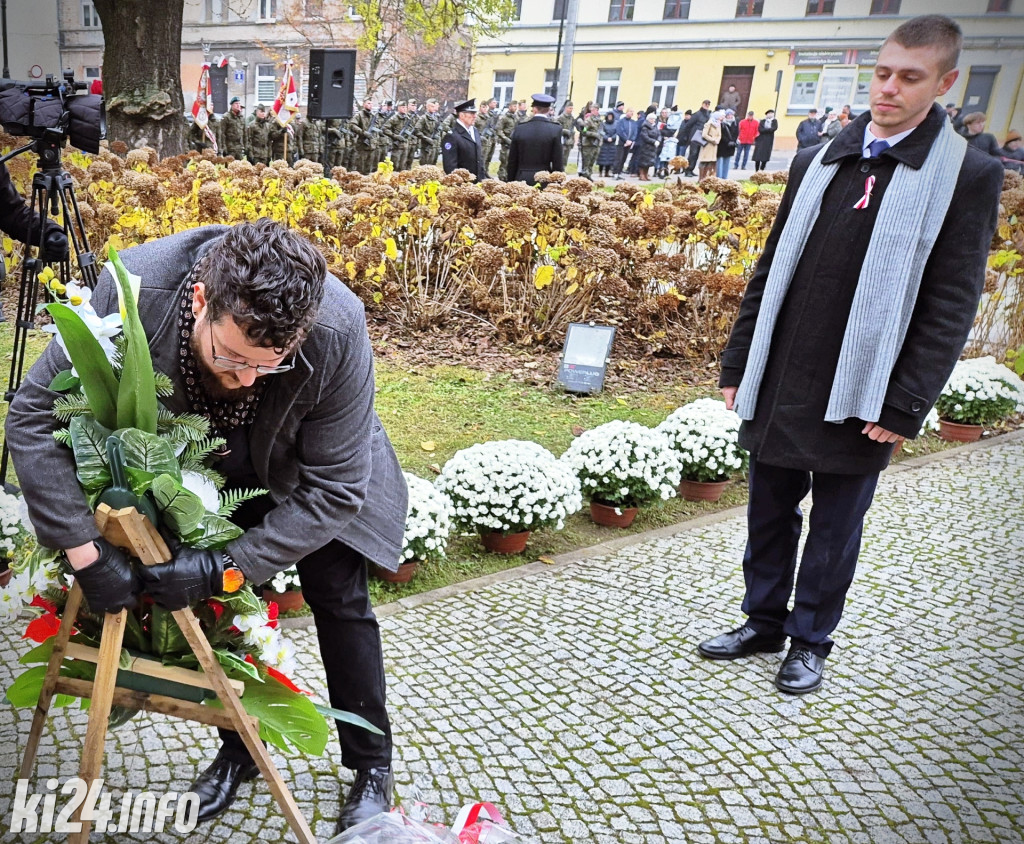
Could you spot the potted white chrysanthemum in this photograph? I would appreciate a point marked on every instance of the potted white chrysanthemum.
(705, 438)
(505, 489)
(979, 392)
(16, 536)
(428, 524)
(621, 467)
(285, 590)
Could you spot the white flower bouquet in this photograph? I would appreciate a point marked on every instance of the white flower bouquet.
(509, 486)
(980, 391)
(285, 581)
(428, 523)
(705, 438)
(623, 464)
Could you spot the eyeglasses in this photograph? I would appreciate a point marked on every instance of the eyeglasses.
(237, 365)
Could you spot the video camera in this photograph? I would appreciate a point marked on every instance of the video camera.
(55, 110)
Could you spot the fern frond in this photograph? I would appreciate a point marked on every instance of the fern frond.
(197, 451)
(63, 436)
(230, 500)
(67, 407)
(190, 427)
(164, 385)
(212, 475)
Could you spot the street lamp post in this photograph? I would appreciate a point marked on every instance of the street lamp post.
(3, 23)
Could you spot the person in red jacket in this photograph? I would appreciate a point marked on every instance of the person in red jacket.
(748, 133)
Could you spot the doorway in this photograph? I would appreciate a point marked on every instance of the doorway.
(743, 79)
(978, 92)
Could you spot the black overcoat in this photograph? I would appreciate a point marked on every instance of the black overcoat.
(647, 144)
(765, 140)
(609, 153)
(460, 150)
(536, 145)
(788, 428)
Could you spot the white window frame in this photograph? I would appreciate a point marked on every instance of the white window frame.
(90, 20)
(261, 77)
(503, 89)
(663, 92)
(606, 93)
(91, 73)
(267, 10)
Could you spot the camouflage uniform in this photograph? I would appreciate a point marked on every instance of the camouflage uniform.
(487, 139)
(278, 133)
(428, 130)
(506, 125)
(568, 124)
(363, 127)
(197, 139)
(399, 130)
(232, 135)
(337, 143)
(257, 140)
(311, 139)
(590, 143)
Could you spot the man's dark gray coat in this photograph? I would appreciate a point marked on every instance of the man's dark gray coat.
(316, 442)
(788, 428)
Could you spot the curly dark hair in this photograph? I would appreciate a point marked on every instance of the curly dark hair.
(269, 279)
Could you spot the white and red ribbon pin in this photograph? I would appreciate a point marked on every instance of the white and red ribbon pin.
(869, 185)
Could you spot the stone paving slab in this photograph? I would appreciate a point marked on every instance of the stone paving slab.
(572, 696)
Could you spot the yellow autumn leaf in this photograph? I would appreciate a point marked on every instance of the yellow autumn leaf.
(391, 249)
(544, 276)
(623, 402)
(572, 288)
(428, 445)
(542, 242)
(350, 268)
(649, 200)
(571, 273)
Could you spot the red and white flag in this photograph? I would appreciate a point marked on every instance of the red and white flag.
(202, 108)
(287, 102)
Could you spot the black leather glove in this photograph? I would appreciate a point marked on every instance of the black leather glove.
(191, 576)
(55, 245)
(110, 583)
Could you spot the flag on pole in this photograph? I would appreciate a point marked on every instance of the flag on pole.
(202, 108)
(287, 102)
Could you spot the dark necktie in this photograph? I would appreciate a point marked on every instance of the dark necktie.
(876, 147)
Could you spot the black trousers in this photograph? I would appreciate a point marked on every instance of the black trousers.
(334, 584)
(774, 520)
(692, 155)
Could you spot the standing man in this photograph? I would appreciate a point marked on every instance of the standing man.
(428, 130)
(591, 138)
(396, 140)
(311, 139)
(691, 135)
(731, 99)
(503, 132)
(232, 131)
(747, 136)
(536, 144)
(259, 339)
(257, 140)
(808, 133)
(462, 146)
(363, 127)
(627, 130)
(853, 320)
(488, 130)
(568, 124)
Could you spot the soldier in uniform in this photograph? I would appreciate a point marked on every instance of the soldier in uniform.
(232, 131)
(278, 143)
(257, 140)
(503, 132)
(462, 147)
(310, 138)
(197, 139)
(568, 124)
(488, 112)
(399, 142)
(523, 112)
(363, 127)
(591, 136)
(428, 131)
(336, 143)
(536, 144)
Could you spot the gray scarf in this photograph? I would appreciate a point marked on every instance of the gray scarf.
(911, 214)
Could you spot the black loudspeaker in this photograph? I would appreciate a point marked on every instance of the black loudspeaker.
(332, 84)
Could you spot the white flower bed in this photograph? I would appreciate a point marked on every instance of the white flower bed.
(623, 464)
(428, 523)
(509, 486)
(705, 437)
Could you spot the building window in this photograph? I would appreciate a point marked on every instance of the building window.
(558, 12)
(677, 10)
(89, 17)
(885, 7)
(91, 73)
(519, 10)
(504, 83)
(620, 10)
(268, 10)
(749, 8)
(314, 8)
(665, 81)
(607, 93)
(266, 83)
(820, 7)
(998, 6)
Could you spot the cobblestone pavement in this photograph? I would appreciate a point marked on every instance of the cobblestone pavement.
(573, 698)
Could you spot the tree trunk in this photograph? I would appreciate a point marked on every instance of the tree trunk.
(142, 73)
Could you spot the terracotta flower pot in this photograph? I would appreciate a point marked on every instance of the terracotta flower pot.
(286, 601)
(702, 490)
(505, 543)
(5, 577)
(404, 574)
(606, 514)
(957, 432)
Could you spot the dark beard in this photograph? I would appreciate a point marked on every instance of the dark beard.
(209, 382)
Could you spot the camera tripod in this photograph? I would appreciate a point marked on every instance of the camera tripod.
(53, 195)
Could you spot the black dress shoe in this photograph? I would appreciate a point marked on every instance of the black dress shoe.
(742, 641)
(218, 784)
(800, 672)
(370, 795)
